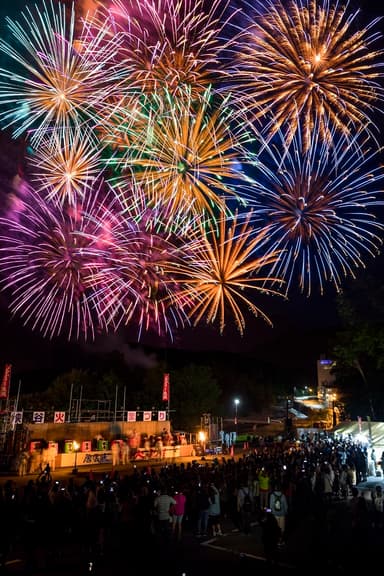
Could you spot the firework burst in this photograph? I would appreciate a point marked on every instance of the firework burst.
(172, 45)
(135, 288)
(191, 158)
(47, 262)
(57, 80)
(318, 207)
(66, 166)
(222, 270)
(306, 63)
(149, 206)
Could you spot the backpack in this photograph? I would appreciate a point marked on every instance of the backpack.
(277, 502)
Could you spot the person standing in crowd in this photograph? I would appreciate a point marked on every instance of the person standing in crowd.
(278, 504)
(162, 505)
(343, 482)
(352, 476)
(244, 507)
(377, 507)
(264, 487)
(327, 475)
(178, 514)
(255, 491)
(45, 474)
(270, 533)
(115, 453)
(381, 462)
(52, 453)
(22, 468)
(372, 466)
(203, 504)
(125, 453)
(214, 511)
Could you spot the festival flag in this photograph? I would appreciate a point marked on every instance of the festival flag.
(131, 416)
(16, 418)
(59, 418)
(6, 381)
(166, 388)
(38, 417)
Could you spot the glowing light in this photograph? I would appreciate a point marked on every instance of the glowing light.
(172, 45)
(66, 165)
(46, 264)
(315, 207)
(189, 158)
(64, 78)
(221, 272)
(173, 154)
(135, 287)
(308, 60)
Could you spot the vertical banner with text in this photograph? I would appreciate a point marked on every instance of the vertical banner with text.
(6, 381)
(166, 388)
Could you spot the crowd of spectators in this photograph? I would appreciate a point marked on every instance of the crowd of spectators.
(318, 478)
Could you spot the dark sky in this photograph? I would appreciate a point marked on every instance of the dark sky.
(295, 321)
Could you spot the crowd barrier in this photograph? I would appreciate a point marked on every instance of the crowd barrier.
(76, 459)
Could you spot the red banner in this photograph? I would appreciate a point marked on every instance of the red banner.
(6, 381)
(166, 388)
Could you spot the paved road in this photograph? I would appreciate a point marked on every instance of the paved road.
(233, 553)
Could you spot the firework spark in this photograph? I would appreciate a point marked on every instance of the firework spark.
(66, 166)
(134, 287)
(308, 60)
(222, 270)
(191, 159)
(172, 45)
(57, 80)
(317, 208)
(46, 267)
(150, 206)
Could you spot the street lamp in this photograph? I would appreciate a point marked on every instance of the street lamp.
(237, 402)
(334, 419)
(76, 447)
(202, 440)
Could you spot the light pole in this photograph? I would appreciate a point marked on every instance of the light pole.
(76, 447)
(334, 419)
(236, 402)
(202, 440)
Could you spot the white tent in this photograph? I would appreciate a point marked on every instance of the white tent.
(368, 433)
(371, 433)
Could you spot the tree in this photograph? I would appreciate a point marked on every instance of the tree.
(194, 391)
(58, 394)
(358, 348)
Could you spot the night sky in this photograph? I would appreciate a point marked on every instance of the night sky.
(301, 325)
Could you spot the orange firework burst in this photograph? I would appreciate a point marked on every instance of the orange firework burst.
(191, 158)
(308, 60)
(65, 77)
(66, 165)
(218, 274)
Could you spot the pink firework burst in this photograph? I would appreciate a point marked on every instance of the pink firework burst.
(47, 261)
